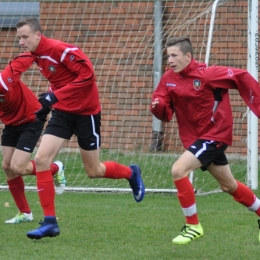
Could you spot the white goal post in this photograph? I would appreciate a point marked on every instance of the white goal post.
(252, 120)
(125, 42)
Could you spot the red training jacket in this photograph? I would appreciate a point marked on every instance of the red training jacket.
(199, 98)
(70, 74)
(17, 102)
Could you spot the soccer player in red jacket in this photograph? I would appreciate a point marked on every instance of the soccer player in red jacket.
(74, 98)
(198, 96)
(20, 135)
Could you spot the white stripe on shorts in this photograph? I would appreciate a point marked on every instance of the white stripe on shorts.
(94, 131)
(199, 152)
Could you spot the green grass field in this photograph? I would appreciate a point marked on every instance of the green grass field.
(115, 227)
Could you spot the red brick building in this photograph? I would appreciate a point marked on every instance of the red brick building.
(118, 36)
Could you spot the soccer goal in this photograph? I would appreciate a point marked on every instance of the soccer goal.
(125, 41)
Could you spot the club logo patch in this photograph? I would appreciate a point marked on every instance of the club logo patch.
(52, 69)
(71, 57)
(196, 84)
(2, 100)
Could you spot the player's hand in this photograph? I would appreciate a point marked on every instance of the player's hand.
(47, 99)
(42, 113)
(155, 102)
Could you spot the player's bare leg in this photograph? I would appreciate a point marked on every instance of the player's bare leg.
(180, 171)
(113, 170)
(240, 192)
(16, 163)
(49, 148)
(93, 167)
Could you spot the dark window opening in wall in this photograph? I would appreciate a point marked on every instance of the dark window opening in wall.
(12, 12)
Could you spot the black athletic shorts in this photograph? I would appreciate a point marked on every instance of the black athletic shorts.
(85, 127)
(23, 137)
(209, 152)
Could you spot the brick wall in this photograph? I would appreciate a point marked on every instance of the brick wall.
(118, 37)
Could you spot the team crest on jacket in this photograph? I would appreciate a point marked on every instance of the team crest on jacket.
(196, 84)
(52, 69)
(2, 100)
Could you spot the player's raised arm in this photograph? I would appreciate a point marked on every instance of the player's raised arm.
(234, 78)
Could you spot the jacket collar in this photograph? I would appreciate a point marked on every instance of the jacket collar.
(41, 46)
(192, 66)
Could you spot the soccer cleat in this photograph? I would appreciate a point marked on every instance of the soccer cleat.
(136, 183)
(258, 221)
(20, 218)
(49, 228)
(188, 233)
(59, 179)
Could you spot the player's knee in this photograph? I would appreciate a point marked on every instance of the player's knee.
(6, 167)
(41, 161)
(177, 172)
(18, 170)
(10, 171)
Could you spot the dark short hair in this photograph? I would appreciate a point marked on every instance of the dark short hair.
(183, 42)
(31, 21)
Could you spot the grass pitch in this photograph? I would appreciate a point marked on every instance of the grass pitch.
(114, 227)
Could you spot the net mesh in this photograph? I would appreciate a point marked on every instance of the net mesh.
(118, 37)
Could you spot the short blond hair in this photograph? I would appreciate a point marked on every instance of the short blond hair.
(32, 22)
(183, 42)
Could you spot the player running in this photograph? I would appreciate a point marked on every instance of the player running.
(74, 98)
(20, 135)
(199, 98)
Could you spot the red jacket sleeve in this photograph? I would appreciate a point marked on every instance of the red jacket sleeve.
(82, 67)
(164, 110)
(233, 78)
(21, 64)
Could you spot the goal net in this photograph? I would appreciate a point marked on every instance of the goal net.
(119, 38)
